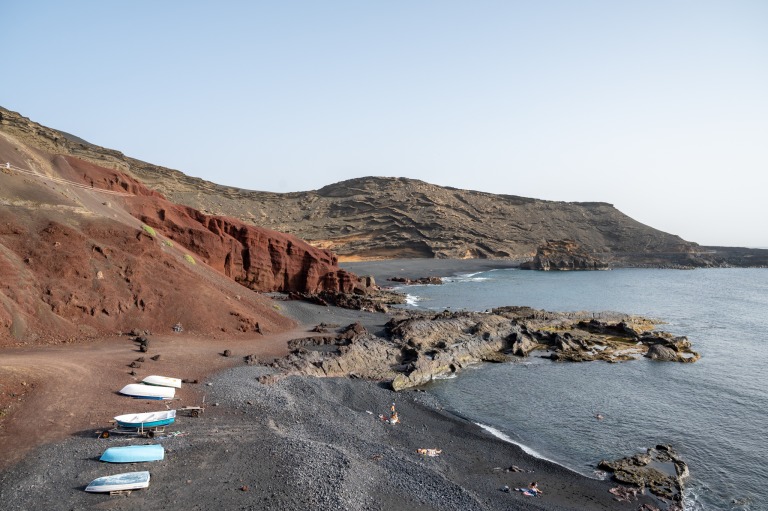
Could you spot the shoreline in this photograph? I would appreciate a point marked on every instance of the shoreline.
(309, 443)
(418, 268)
(526, 449)
(304, 442)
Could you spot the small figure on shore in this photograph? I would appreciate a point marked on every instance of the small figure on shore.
(532, 490)
(393, 418)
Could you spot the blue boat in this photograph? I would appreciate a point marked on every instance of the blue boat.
(120, 482)
(146, 420)
(133, 454)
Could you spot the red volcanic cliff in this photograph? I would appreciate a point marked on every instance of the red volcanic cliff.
(258, 258)
(76, 262)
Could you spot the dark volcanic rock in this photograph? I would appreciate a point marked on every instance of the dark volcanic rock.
(564, 255)
(423, 346)
(373, 300)
(420, 280)
(663, 346)
(659, 469)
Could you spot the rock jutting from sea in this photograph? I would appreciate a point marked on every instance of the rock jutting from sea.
(659, 469)
(420, 347)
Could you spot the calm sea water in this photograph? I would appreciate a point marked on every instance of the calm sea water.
(714, 412)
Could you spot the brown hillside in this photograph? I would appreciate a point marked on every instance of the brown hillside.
(384, 218)
(87, 250)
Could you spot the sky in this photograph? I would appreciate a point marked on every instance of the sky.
(657, 107)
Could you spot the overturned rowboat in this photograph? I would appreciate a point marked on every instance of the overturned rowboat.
(140, 391)
(162, 381)
(133, 454)
(120, 482)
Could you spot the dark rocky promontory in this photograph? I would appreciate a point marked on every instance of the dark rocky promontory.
(419, 347)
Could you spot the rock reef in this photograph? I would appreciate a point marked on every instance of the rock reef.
(420, 347)
(659, 469)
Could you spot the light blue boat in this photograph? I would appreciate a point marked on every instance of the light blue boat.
(133, 454)
(120, 482)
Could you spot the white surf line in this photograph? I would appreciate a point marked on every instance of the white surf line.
(498, 434)
(411, 300)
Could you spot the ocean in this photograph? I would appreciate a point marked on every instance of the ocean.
(713, 411)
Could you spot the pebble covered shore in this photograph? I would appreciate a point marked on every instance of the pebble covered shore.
(305, 443)
(308, 443)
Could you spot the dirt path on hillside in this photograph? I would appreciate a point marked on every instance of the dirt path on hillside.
(50, 392)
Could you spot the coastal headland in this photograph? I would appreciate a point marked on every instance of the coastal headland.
(104, 281)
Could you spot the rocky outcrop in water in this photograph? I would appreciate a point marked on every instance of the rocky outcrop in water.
(419, 280)
(362, 299)
(659, 469)
(564, 255)
(421, 347)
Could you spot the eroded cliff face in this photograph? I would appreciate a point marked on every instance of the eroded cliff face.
(563, 255)
(385, 218)
(86, 250)
(257, 258)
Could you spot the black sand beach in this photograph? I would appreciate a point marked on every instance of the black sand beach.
(303, 443)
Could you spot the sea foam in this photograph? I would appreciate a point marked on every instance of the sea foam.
(411, 300)
(498, 434)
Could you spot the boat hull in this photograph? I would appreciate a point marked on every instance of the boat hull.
(120, 482)
(146, 420)
(140, 391)
(133, 454)
(162, 381)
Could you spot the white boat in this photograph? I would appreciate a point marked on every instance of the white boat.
(141, 391)
(120, 482)
(146, 420)
(162, 381)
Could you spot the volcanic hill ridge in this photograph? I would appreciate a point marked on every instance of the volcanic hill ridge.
(387, 218)
(88, 250)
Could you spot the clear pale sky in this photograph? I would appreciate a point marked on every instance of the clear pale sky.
(658, 107)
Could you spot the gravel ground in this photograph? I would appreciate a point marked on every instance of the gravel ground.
(305, 443)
